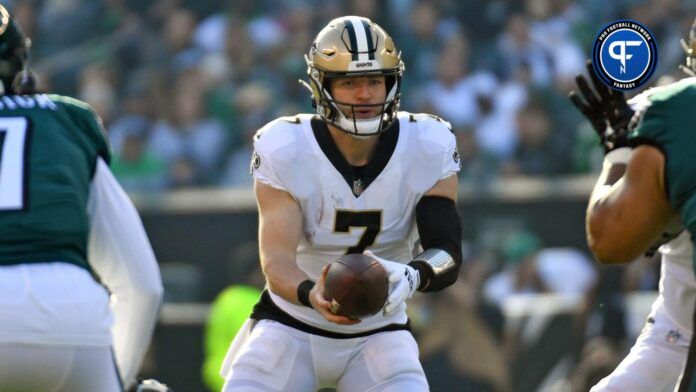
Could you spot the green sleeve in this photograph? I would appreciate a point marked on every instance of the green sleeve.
(98, 134)
(88, 122)
(668, 122)
(651, 127)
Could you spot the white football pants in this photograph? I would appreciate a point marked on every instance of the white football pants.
(275, 357)
(34, 368)
(654, 363)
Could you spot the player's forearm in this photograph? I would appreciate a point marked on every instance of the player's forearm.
(604, 231)
(279, 259)
(280, 228)
(600, 212)
(440, 230)
(283, 276)
(613, 169)
(624, 219)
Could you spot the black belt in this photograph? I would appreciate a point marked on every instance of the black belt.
(266, 309)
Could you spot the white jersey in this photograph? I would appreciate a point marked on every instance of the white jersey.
(340, 213)
(677, 285)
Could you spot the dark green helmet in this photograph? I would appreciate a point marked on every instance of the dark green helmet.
(14, 49)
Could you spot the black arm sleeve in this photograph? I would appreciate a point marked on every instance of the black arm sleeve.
(439, 227)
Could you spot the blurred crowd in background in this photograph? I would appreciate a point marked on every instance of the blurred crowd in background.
(182, 85)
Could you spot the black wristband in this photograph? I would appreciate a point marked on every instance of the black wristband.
(424, 273)
(303, 290)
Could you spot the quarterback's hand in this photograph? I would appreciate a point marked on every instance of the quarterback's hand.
(603, 106)
(322, 305)
(403, 282)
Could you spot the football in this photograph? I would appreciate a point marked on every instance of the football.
(356, 285)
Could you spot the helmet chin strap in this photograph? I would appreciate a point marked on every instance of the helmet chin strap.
(363, 128)
(359, 128)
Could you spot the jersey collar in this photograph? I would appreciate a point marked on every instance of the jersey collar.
(358, 178)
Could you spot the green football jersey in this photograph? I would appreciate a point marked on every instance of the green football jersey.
(49, 145)
(667, 120)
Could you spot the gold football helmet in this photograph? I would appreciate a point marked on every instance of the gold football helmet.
(354, 46)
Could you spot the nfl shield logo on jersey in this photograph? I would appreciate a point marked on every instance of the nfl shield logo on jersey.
(358, 186)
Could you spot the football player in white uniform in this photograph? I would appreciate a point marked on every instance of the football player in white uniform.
(358, 177)
(659, 354)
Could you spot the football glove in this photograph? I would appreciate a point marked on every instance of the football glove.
(605, 108)
(403, 282)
